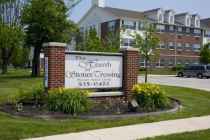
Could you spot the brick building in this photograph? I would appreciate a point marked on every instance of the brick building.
(181, 35)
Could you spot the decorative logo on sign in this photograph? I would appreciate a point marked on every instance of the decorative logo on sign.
(89, 65)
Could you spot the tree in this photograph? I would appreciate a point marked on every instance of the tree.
(205, 54)
(112, 42)
(11, 35)
(20, 57)
(146, 45)
(45, 21)
(89, 41)
(10, 38)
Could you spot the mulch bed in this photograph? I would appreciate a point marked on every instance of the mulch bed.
(108, 109)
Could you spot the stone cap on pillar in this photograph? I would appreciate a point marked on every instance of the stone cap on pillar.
(129, 49)
(54, 44)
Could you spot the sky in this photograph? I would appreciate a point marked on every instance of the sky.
(202, 7)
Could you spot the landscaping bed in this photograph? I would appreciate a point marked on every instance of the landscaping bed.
(107, 109)
(75, 103)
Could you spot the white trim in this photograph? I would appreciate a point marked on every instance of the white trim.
(54, 44)
(129, 49)
(79, 22)
(96, 53)
(105, 94)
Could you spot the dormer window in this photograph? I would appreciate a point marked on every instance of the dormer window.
(160, 18)
(188, 21)
(171, 19)
(197, 23)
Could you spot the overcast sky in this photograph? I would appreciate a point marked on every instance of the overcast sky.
(202, 7)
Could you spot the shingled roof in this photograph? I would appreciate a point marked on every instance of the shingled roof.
(122, 13)
(205, 23)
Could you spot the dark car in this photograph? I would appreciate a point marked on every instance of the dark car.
(199, 71)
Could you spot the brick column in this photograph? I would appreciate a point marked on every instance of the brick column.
(54, 65)
(130, 69)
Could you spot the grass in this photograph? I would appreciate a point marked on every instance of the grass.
(199, 135)
(160, 71)
(195, 103)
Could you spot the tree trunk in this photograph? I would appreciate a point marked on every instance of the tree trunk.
(5, 61)
(4, 66)
(36, 62)
(146, 70)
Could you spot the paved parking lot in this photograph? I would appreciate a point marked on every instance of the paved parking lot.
(203, 84)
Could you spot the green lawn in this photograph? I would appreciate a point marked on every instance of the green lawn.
(195, 103)
(159, 71)
(199, 135)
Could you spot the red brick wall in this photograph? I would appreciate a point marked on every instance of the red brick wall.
(130, 70)
(56, 66)
(171, 37)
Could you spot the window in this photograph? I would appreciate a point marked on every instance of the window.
(187, 30)
(188, 21)
(197, 31)
(160, 18)
(179, 46)
(171, 62)
(160, 27)
(196, 47)
(127, 42)
(171, 46)
(208, 67)
(207, 33)
(141, 25)
(162, 45)
(171, 28)
(82, 29)
(171, 19)
(162, 62)
(187, 46)
(197, 23)
(129, 24)
(179, 29)
(92, 27)
(111, 25)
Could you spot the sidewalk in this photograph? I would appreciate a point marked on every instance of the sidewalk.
(134, 132)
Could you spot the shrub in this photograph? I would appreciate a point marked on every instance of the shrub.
(150, 97)
(70, 101)
(36, 96)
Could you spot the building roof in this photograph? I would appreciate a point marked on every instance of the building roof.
(205, 23)
(153, 10)
(121, 13)
(182, 14)
(170, 10)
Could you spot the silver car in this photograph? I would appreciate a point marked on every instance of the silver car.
(199, 71)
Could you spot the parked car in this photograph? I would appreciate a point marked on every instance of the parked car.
(199, 71)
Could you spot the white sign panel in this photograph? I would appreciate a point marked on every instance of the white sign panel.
(93, 71)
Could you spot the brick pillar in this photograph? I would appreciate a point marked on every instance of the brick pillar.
(130, 69)
(54, 65)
